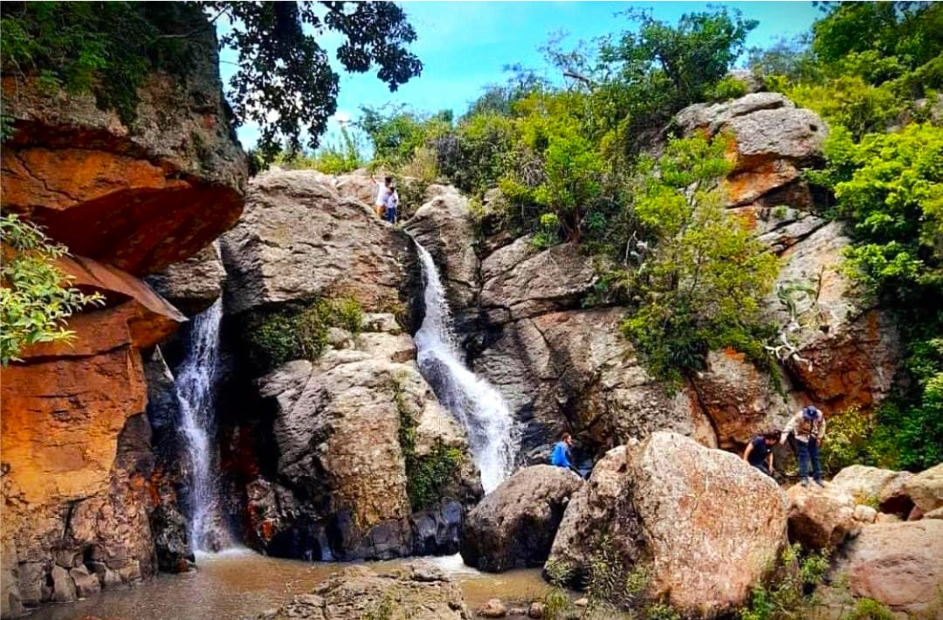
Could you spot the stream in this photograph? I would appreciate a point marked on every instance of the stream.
(240, 584)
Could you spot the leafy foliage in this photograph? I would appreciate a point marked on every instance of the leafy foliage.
(337, 158)
(786, 596)
(427, 475)
(701, 285)
(274, 337)
(284, 84)
(848, 434)
(36, 297)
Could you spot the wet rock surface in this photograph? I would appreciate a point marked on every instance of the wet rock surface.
(418, 592)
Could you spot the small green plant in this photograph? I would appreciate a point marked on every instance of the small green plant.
(549, 232)
(726, 88)
(661, 611)
(36, 297)
(868, 609)
(556, 600)
(866, 499)
(780, 212)
(279, 336)
(786, 596)
(848, 434)
(427, 475)
(382, 611)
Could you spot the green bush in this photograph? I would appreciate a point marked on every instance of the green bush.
(868, 609)
(847, 440)
(728, 88)
(36, 297)
(785, 597)
(703, 281)
(274, 337)
(428, 476)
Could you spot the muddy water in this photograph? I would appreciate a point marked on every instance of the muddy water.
(241, 584)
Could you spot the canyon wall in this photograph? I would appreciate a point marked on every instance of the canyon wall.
(127, 200)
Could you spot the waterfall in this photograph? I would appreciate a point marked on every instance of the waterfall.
(194, 386)
(476, 404)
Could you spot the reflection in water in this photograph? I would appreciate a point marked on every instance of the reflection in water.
(239, 584)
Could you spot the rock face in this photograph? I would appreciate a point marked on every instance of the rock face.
(925, 489)
(341, 480)
(193, 285)
(299, 240)
(884, 486)
(444, 227)
(898, 564)
(127, 200)
(573, 369)
(821, 518)
(679, 510)
(845, 350)
(417, 592)
(514, 526)
(138, 197)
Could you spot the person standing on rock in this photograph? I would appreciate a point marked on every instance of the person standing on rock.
(759, 452)
(392, 205)
(384, 190)
(809, 428)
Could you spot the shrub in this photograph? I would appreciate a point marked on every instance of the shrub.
(701, 284)
(427, 476)
(727, 88)
(274, 337)
(36, 297)
(869, 609)
(787, 595)
(847, 440)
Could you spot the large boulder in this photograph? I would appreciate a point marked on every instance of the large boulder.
(573, 370)
(898, 564)
(339, 426)
(194, 284)
(821, 518)
(925, 489)
(139, 195)
(514, 526)
(418, 591)
(299, 240)
(872, 484)
(680, 511)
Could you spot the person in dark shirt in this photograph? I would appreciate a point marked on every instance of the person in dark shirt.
(759, 452)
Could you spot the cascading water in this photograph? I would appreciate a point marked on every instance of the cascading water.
(194, 387)
(479, 408)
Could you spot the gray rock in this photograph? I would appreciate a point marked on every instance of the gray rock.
(849, 350)
(85, 583)
(194, 284)
(417, 592)
(444, 227)
(63, 588)
(925, 489)
(884, 486)
(298, 240)
(494, 608)
(514, 525)
(574, 370)
(821, 518)
(714, 117)
(555, 279)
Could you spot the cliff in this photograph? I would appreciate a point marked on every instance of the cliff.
(127, 200)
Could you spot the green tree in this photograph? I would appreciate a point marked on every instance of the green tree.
(398, 133)
(35, 296)
(701, 275)
(284, 84)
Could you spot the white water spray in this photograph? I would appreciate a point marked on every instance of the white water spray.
(194, 386)
(479, 408)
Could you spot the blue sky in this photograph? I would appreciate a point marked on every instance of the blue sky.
(465, 45)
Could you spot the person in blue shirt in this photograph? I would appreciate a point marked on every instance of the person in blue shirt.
(561, 452)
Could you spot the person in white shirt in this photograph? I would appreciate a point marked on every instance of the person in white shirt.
(809, 428)
(384, 190)
(392, 205)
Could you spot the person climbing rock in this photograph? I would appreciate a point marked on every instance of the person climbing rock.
(759, 452)
(383, 192)
(561, 453)
(392, 204)
(808, 426)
